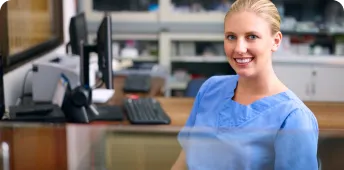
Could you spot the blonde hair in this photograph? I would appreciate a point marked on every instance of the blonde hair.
(263, 8)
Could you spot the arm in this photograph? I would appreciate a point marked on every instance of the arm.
(297, 142)
(180, 164)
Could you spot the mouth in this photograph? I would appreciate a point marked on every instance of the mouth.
(244, 60)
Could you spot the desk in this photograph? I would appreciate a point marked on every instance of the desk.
(45, 147)
(330, 116)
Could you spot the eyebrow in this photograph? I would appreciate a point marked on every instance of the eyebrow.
(250, 32)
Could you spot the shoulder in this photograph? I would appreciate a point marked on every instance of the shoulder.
(300, 116)
(216, 83)
(223, 79)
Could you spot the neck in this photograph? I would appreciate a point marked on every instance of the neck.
(266, 83)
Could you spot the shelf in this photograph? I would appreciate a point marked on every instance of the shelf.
(121, 16)
(195, 37)
(142, 58)
(200, 59)
(169, 15)
(143, 37)
(299, 59)
(177, 85)
(204, 17)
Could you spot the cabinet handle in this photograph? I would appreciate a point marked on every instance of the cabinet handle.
(307, 89)
(313, 88)
(314, 73)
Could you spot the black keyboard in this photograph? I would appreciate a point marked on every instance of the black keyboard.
(145, 111)
(137, 83)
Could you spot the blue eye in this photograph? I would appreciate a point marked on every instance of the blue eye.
(230, 37)
(252, 37)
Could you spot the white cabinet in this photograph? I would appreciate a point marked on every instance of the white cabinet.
(297, 77)
(328, 83)
(313, 82)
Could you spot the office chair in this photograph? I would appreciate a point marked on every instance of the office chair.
(193, 87)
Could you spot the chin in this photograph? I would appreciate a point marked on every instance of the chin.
(245, 72)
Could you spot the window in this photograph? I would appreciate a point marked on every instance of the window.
(31, 28)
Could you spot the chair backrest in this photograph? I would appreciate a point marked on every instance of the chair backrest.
(193, 87)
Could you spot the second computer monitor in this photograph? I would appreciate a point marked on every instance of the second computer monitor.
(77, 32)
(104, 50)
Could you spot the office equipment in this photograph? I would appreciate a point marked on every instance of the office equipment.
(77, 33)
(45, 74)
(36, 113)
(145, 111)
(135, 83)
(39, 112)
(104, 50)
(76, 105)
(34, 110)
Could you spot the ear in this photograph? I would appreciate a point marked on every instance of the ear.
(277, 39)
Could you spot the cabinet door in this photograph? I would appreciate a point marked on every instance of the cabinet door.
(328, 83)
(297, 77)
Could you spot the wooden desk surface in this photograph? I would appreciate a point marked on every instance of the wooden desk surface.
(330, 115)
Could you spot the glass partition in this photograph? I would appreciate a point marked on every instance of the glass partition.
(150, 148)
(106, 146)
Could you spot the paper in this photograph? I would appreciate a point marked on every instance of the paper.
(102, 95)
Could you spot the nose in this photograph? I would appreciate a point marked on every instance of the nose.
(240, 46)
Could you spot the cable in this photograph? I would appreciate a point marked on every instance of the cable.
(23, 88)
(98, 85)
(101, 81)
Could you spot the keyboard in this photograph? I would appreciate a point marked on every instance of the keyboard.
(137, 83)
(145, 111)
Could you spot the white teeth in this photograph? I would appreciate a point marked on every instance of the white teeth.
(243, 60)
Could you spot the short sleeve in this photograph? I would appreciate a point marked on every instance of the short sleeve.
(297, 142)
(184, 133)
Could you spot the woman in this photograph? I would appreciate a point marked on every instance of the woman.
(253, 121)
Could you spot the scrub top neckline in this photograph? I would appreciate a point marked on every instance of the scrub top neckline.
(262, 103)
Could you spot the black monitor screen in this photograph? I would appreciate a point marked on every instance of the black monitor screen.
(78, 32)
(104, 50)
(3, 52)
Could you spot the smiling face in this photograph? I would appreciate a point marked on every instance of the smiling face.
(249, 43)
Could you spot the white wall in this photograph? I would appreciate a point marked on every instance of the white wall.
(13, 81)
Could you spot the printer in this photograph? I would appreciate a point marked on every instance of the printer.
(45, 75)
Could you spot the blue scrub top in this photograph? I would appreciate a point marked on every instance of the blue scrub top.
(273, 133)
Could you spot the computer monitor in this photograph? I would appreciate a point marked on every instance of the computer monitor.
(77, 32)
(104, 50)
